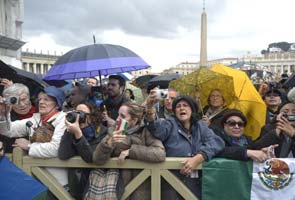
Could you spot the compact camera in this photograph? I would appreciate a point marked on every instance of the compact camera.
(290, 118)
(162, 93)
(71, 117)
(12, 100)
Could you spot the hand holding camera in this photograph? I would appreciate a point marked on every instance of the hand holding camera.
(161, 93)
(73, 120)
(72, 116)
(285, 125)
(5, 108)
(154, 96)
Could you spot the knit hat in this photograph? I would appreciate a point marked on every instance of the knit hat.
(56, 93)
(192, 102)
(232, 112)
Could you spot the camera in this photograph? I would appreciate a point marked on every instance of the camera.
(162, 93)
(71, 117)
(290, 118)
(12, 100)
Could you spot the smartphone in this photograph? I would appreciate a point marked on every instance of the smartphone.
(122, 125)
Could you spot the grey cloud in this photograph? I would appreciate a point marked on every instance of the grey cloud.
(72, 22)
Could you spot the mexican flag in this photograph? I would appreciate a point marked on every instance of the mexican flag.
(15, 184)
(225, 179)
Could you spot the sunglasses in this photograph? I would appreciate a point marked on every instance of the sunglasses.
(1, 148)
(234, 123)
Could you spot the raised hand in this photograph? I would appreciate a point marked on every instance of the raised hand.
(257, 155)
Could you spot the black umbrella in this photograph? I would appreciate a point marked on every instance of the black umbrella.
(163, 81)
(33, 81)
(290, 82)
(142, 81)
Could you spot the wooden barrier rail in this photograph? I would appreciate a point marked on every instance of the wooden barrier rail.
(35, 167)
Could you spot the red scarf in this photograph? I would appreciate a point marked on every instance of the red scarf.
(48, 116)
(27, 115)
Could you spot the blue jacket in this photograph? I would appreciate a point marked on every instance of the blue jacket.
(177, 143)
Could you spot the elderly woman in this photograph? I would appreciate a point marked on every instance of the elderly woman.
(237, 145)
(135, 142)
(50, 101)
(21, 110)
(184, 135)
(213, 112)
(84, 132)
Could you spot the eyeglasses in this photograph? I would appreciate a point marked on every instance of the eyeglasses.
(234, 123)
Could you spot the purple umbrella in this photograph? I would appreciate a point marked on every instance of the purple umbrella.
(95, 60)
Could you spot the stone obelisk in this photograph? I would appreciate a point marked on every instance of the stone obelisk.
(203, 54)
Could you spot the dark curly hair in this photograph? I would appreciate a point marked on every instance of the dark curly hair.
(95, 113)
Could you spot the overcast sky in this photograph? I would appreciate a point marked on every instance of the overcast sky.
(163, 32)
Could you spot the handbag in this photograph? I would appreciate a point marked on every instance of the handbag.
(43, 133)
(103, 184)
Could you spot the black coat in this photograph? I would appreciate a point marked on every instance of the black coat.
(69, 147)
(286, 144)
(114, 105)
(216, 120)
(236, 152)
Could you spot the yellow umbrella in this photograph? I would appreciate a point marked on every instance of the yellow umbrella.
(247, 100)
(199, 84)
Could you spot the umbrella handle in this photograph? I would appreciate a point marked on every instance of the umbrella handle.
(200, 106)
(100, 82)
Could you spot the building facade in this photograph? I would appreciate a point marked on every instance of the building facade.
(142, 72)
(182, 68)
(11, 20)
(277, 62)
(38, 63)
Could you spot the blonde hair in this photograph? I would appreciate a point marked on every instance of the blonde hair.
(134, 110)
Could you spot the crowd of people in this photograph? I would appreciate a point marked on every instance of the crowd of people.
(74, 123)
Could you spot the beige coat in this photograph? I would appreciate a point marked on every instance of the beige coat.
(143, 146)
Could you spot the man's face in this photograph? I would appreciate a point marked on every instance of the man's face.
(169, 100)
(272, 99)
(114, 88)
(24, 105)
(76, 97)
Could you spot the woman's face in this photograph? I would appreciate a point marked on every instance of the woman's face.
(288, 109)
(216, 99)
(124, 114)
(234, 126)
(183, 111)
(46, 104)
(86, 110)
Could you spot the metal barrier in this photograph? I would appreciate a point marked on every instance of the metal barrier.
(35, 167)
